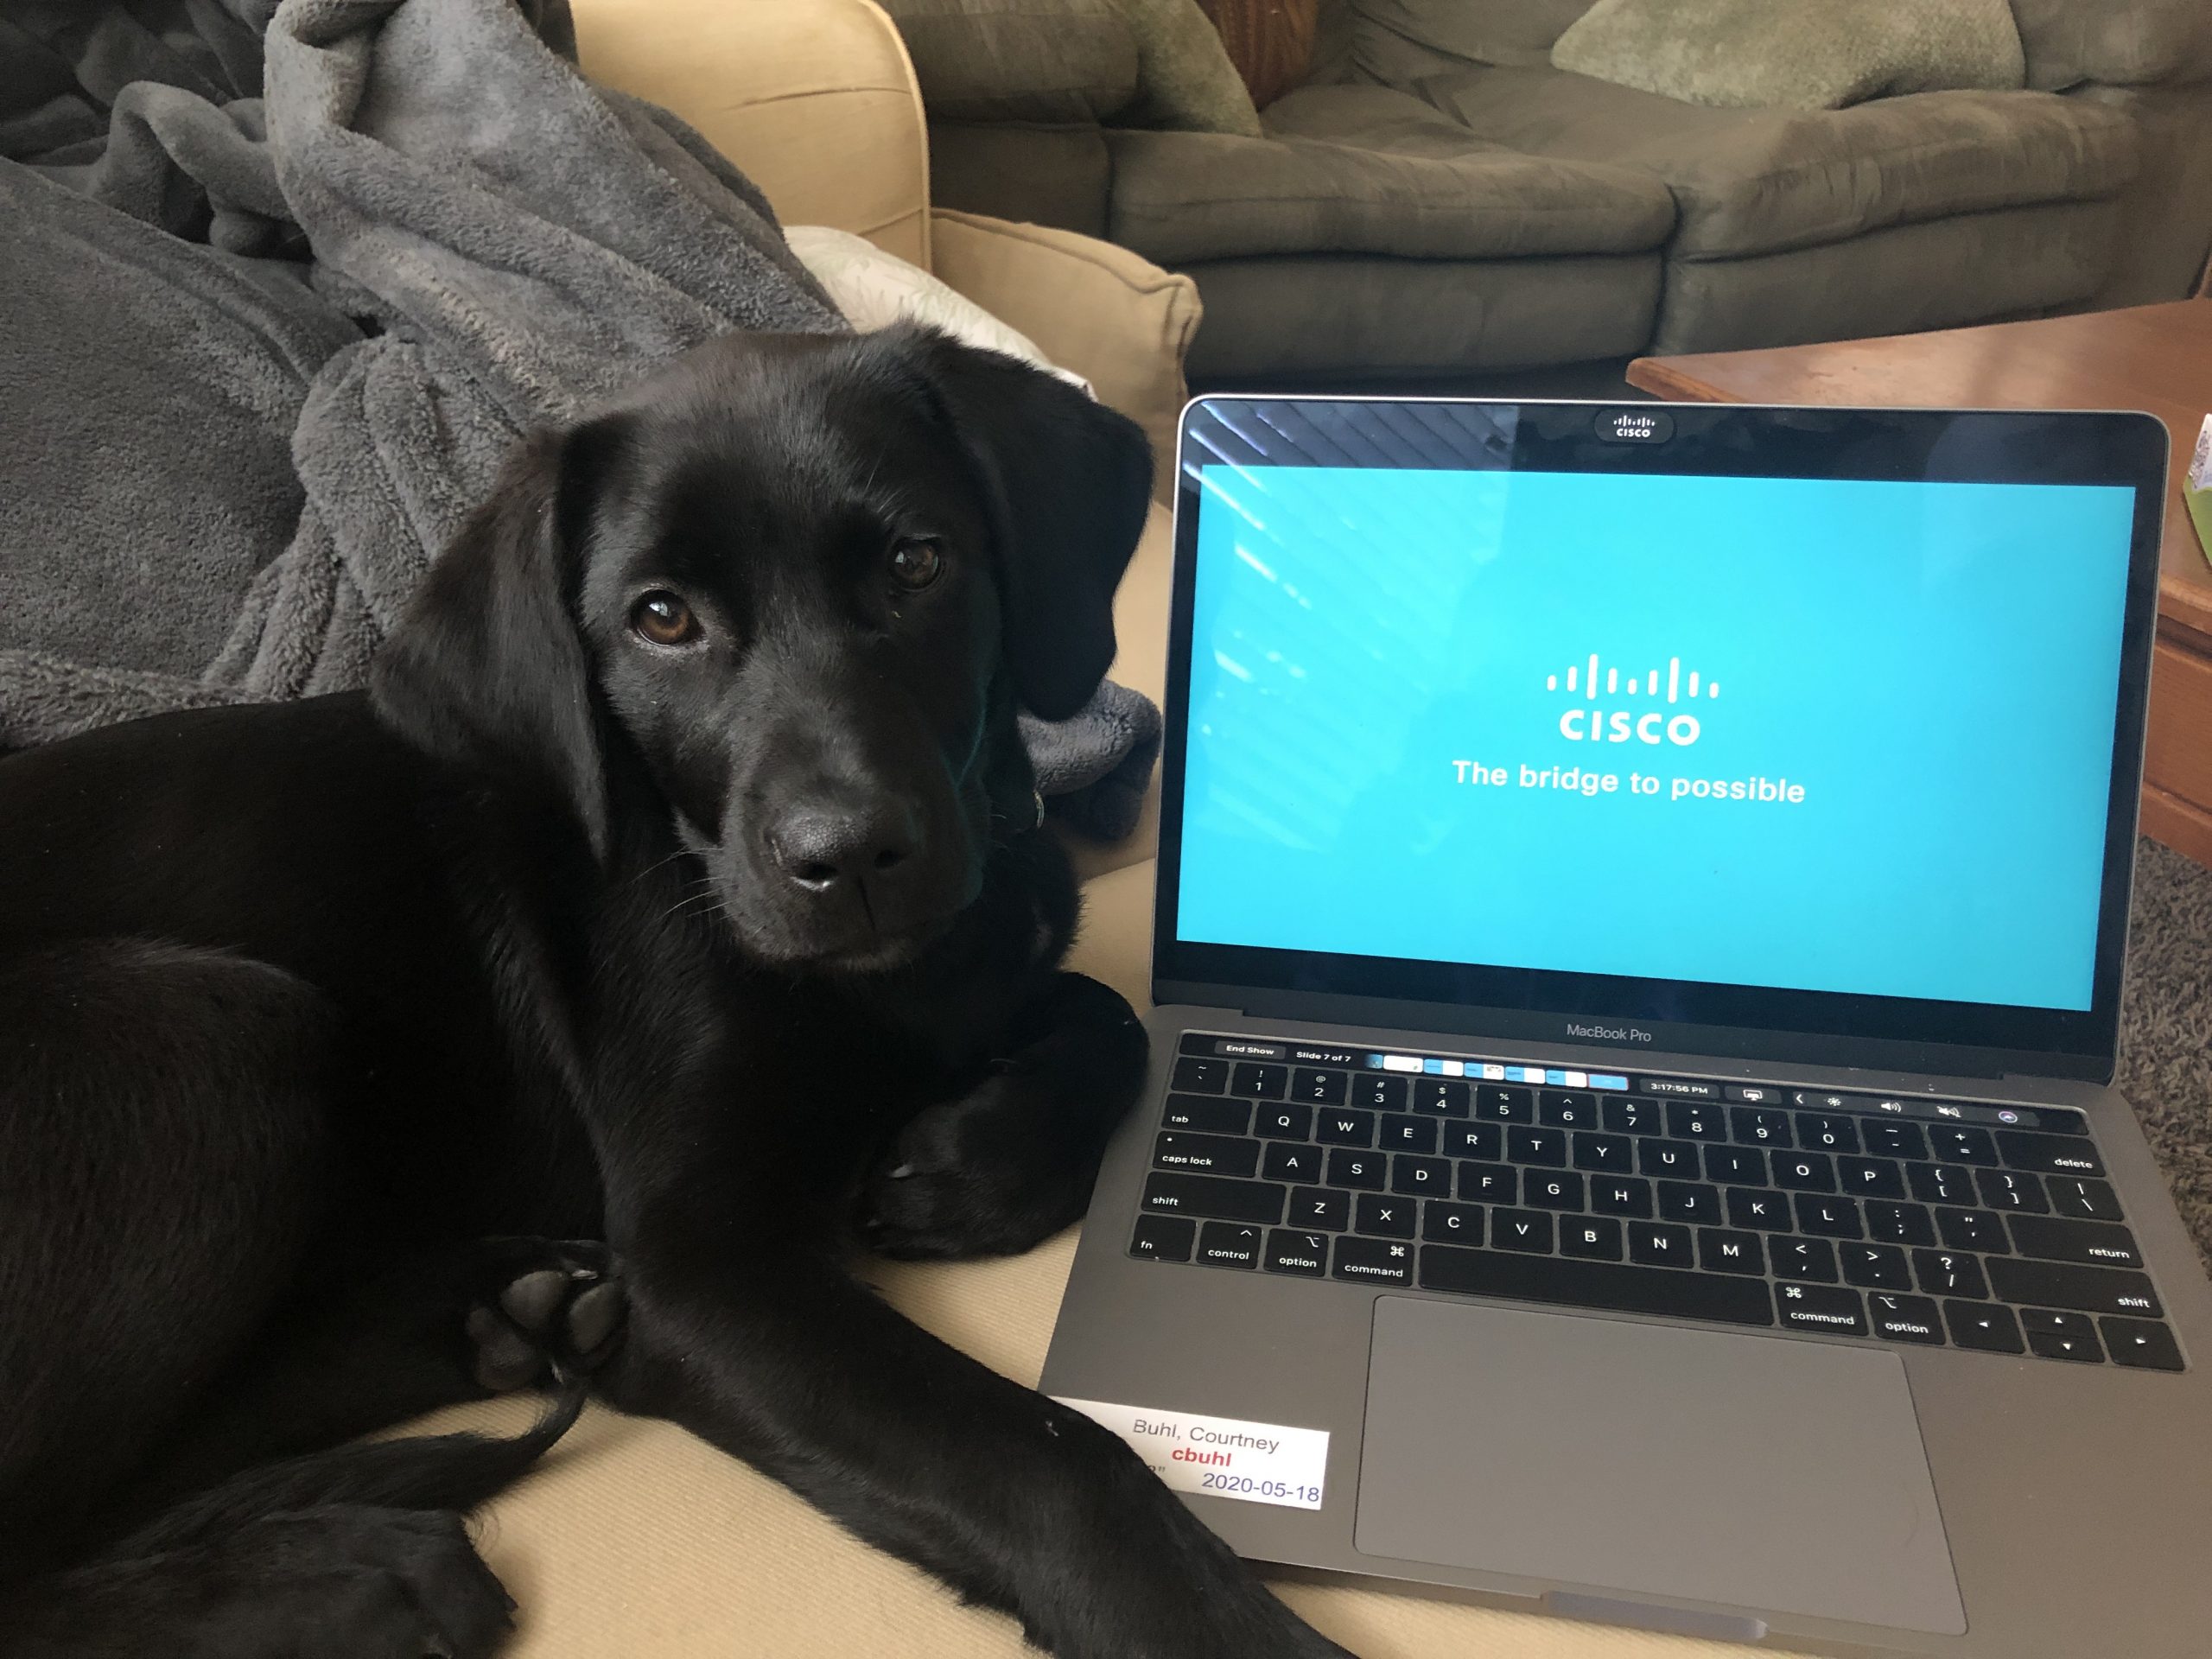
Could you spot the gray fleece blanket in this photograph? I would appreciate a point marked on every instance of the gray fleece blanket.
(279, 286)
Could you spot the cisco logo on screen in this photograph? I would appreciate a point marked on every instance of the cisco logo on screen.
(1644, 687)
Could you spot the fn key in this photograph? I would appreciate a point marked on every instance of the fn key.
(1163, 1238)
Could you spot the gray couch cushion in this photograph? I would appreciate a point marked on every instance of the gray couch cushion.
(1362, 170)
(1760, 180)
(2120, 42)
(1013, 61)
(1480, 31)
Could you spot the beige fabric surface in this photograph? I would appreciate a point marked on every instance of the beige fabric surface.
(1110, 315)
(1797, 54)
(814, 99)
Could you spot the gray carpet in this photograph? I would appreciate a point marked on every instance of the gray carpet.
(2165, 1034)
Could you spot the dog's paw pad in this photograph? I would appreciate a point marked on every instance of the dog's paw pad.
(563, 1315)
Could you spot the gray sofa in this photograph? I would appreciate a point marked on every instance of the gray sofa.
(1436, 198)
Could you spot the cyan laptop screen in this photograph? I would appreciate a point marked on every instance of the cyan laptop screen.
(1816, 734)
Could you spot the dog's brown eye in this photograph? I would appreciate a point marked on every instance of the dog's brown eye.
(916, 563)
(664, 618)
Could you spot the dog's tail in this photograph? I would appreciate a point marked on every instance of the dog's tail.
(428, 1471)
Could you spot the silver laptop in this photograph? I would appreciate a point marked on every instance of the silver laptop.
(1642, 901)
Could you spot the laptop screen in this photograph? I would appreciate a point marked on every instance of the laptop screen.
(1564, 709)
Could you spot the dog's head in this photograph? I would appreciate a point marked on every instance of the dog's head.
(788, 592)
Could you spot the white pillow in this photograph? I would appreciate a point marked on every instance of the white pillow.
(875, 290)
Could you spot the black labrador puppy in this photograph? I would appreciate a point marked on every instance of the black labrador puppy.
(679, 886)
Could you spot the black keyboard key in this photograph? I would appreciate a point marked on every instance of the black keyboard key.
(1675, 1159)
(1941, 1184)
(1278, 1123)
(1811, 1260)
(1378, 1092)
(1402, 1134)
(1344, 1127)
(1869, 1178)
(2099, 1243)
(1566, 1108)
(1591, 1238)
(1720, 1250)
(1609, 1154)
(1735, 1165)
(2083, 1199)
(1529, 1231)
(2049, 1155)
(1424, 1177)
(1374, 1261)
(1320, 1206)
(1984, 1326)
(1350, 1166)
(1166, 1193)
(1689, 1201)
(1213, 1154)
(1551, 1189)
(1200, 1077)
(1227, 1245)
(1875, 1267)
(1544, 1147)
(1900, 1224)
(1971, 1230)
(1693, 1120)
(1759, 1126)
(2054, 1120)
(1290, 1161)
(1906, 1318)
(2062, 1336)
(1767, 1211)
(1383, 1214)
(1660, 1244)
(1304, 1254)
(1629, 1116)
(1804, 1172)
(1468, 1139)
(1208, 1115)
(2142, 1344)
(1440, 1096)
(1955, 1143)
(2005, 1191)
(1255, 1080)
(2033, 1320)
(1886, 1139)
(1489, 1183)
(1499, 1102)
(1559, 1281)
(1951, 1273)
(1445, 1223)
(1163, 1238)
(1626, 1195)
(2086, 1290)
(1827, 1217)
(1821, 1307)
(1317, 1087)
(1826, 1132)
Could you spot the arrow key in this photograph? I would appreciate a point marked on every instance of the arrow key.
(2144, 1345)
(1985, 1325)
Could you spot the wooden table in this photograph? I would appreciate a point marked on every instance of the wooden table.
(2157, 358)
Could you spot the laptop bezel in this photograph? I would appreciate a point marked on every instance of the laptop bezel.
(1956, 1038)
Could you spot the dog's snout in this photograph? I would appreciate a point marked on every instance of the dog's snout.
(823, 847)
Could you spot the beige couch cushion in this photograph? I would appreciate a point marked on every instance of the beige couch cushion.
(1762, 180)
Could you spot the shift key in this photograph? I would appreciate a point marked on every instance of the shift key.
(1214, 1197)
(2059, 1284)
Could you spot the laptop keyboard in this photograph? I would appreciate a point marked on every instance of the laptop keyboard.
(1907, 1220)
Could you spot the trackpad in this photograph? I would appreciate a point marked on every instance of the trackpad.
(1764, 1473)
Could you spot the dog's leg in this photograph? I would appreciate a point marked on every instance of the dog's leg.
(1013, 1161)
(161, 1139)
(463, 1322)
(755, 1341)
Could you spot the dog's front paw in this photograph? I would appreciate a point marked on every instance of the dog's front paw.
(552, 1304)
(991, 1174)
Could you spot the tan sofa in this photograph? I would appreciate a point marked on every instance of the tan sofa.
(633, 1539)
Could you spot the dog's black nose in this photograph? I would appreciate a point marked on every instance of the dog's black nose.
(821, 848)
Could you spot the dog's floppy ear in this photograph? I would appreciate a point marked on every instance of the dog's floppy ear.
(1071, 482)
(487, 669)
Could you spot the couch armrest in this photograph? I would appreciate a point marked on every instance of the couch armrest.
(814, 99)
(1111, 316)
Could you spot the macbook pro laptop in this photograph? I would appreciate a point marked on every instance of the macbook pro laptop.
(1641, 907)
